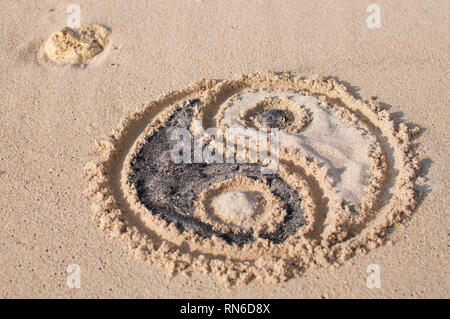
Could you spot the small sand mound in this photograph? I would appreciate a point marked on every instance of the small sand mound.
(77, 45)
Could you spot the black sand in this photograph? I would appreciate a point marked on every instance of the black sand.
(170, 190)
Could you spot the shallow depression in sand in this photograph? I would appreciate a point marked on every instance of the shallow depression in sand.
(79, 45)
(346, 173)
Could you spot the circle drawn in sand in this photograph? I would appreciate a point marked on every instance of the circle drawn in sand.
(346, 174)
(77, 45)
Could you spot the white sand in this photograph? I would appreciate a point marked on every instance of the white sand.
(327, 139)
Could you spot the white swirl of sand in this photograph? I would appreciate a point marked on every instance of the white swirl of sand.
(344, 149)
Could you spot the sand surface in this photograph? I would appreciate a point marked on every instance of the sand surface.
(51, 116)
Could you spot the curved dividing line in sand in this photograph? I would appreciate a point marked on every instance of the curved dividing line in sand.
(334, 231)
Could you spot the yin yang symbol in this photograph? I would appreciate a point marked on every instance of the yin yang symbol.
(344, 174)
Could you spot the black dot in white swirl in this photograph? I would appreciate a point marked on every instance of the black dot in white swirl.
(273, 118)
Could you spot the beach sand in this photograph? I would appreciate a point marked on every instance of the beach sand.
(51, 116)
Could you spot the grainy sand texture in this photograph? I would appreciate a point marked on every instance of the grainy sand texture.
(92, 205)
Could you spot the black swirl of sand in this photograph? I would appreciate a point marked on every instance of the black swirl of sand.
(171, 190)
